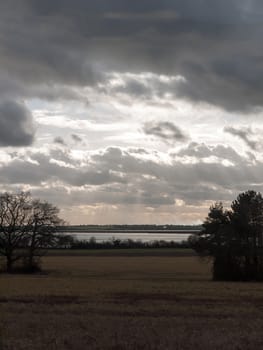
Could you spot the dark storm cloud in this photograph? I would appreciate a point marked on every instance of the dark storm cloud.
(16, 124)
(245, 134)
(215, 45)
(13, 86)
(166, 131)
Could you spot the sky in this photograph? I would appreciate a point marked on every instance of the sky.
(142, 111)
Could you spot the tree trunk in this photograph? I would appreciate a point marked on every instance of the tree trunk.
(30, 260)
(9, 263)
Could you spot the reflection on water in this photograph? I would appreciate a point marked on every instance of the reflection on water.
(142, 236)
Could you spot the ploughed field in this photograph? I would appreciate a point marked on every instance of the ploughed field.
(128, 302)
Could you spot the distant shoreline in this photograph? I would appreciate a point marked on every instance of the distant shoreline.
(131, 231)
(159, 229)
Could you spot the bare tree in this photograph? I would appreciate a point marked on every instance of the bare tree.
(14, 217)
(43, 226)
(27, 226)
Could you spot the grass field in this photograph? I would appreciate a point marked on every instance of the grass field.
(122, 252)
(128, 302)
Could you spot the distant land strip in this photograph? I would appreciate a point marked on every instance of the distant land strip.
(132, 229)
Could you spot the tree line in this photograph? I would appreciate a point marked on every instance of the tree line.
(70, 242)
(134, 227)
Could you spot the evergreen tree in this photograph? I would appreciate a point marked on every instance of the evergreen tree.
(234, 238)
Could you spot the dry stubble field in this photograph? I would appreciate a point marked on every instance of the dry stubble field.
(118, 302)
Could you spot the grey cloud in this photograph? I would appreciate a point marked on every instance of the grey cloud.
(76, 138)
(245, 134)
(13, 87)
(134, 87)
(184, 179)
(166, 131)
(138, 150)
(59, 140)
(115, 197)
(16, 124)
(149, 16)
(215, 45)
(57, 166)
(116, 176)
(144, 85)
(201, 151)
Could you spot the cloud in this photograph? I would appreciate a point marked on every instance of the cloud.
(16, 124)
(165, 131)
(122, 178)
(149, 16)
(97, 70)
(215, 46)
(144, 85)
(76, 138)
(59, 140)
(60, 166)
(245, 134)
(201, 152)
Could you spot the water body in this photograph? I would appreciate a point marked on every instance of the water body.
(142, 236)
